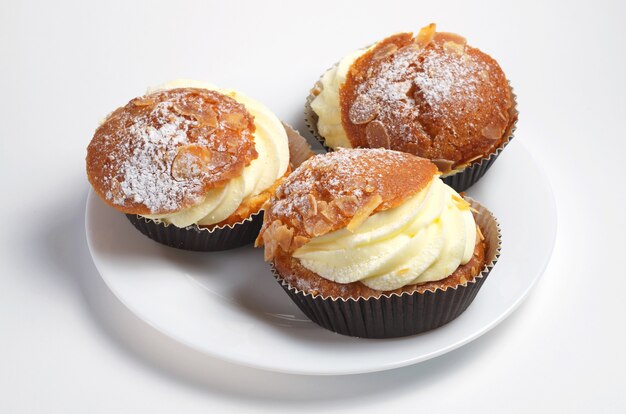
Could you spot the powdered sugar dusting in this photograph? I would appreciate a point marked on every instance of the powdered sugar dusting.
(411, 75)
(446, 77)
(146, 175)
(343, 174)
(163, 151)
(147, 178)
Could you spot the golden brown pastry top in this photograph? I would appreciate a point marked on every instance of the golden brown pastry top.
(431, 95)
(339, 189)
(164, 151)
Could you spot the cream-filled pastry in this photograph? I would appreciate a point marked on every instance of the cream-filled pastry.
(365, 221)
(431, 95)
(372, 243)
(188, 153)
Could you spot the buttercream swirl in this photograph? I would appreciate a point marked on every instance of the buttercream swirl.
(327, 106)
(424, 239)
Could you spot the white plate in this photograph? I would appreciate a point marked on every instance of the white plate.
(228, 305)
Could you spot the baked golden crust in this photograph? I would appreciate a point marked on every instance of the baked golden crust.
(336, 190)
(431, 95)
(164, 151)
(299, 277)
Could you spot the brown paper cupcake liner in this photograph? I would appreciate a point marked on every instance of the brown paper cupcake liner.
(197, 238)
(218, 238)
(397, 315)
(461, 179)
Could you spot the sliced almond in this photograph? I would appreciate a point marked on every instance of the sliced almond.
(316, 226)
(299, 241)
(484, 75)
(283, 236)
(385, 51)
(364, 212)
(235, 120)
(362, 111)
(443, 37)
(312, 204)
(143, 101)
(190, 162)
(346, 204)
(453, 47)
(206, 116)
(276, 235)
(445, 166)
(376, 135)
(425, 35)
(492, 132)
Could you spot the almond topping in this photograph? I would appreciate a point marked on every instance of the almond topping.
(425, 35)
(276, 235)
(316, 226)
(445, 166)
(143, 101)
(453, 47)
(205, 116)
(364, 212)
(312, 204)
(346, 204)
(362, 111)
(492, 132)
(191, 161)
(299, 241)
(484, 75)
(444, 37)
(385, 51)
(235, 120)
(376, 135)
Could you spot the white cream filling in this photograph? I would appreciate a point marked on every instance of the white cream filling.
(424, 239)
(327, 104)
(271, 144)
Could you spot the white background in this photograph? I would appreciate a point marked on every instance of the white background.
(67, 346)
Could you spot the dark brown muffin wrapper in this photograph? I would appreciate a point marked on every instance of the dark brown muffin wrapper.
(197, 238)
(460, 180)
(397, 315)
(218, 238)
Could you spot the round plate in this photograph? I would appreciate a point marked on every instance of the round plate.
(228, 304)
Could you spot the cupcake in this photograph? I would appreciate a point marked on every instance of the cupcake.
(431, 95)
(190, 165)
(372, 243)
